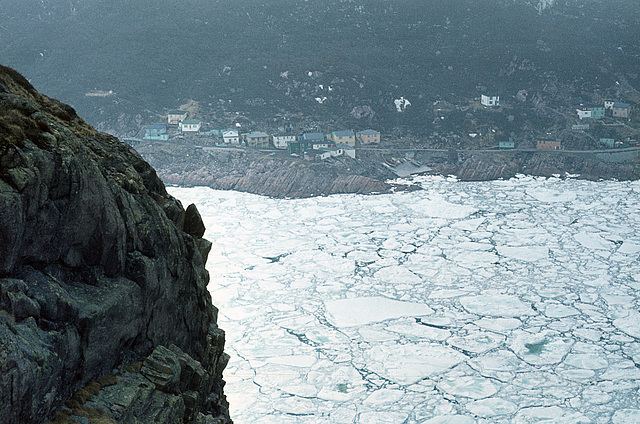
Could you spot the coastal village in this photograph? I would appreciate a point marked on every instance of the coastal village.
(181, 127)
(309, 145)
(595, 112)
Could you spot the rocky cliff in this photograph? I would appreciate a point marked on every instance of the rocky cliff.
(273, 174)
(104, 311)
(474, 166)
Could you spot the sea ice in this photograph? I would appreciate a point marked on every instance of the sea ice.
(386, 417)
(549, 414)
(440, 208)
(417, 331)
(501, 365)
(629, 322)
(586, 361)
(383, 397)
(630, 247)
(497, 305)
(543, 348)
(593, 241)
(365, 310)
(410, 363)
(469, 224)
(477, 342)
(450, 419)
(524, 253)
(491, 407)
(626, 416)
(499, 325)
(468, 386)
(351, 309)
(397, 275)
(551, 196)
(557, 310)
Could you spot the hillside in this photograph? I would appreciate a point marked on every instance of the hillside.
(325, 64)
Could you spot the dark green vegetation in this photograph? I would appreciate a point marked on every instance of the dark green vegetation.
(265, 62)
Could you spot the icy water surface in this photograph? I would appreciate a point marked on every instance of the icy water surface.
(492, 302)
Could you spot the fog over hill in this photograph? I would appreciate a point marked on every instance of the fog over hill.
(277, 62)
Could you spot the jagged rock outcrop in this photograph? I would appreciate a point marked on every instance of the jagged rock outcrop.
(276, 179)
(99, 267)
(273, 174)
(591, 166)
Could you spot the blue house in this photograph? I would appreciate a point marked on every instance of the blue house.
(156, 132)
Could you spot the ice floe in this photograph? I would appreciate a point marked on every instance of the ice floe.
(510, 301)
(365, 310)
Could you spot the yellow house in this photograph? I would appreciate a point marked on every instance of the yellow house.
(346, 137)
(368, 136)
(176, 116)
(257, 139)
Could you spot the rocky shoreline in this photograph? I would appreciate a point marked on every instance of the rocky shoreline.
(278, 175)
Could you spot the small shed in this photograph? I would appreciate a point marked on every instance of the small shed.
(490, 100)
(545, 144)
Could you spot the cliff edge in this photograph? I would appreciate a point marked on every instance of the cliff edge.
(104, 311)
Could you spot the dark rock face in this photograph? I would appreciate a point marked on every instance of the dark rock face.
(99, 266)
(256, 172)
(484, 167)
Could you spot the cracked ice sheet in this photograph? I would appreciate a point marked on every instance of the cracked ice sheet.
(535, 280)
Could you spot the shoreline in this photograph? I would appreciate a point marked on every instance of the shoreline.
(282, 176)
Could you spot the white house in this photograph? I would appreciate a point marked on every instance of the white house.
(282, 141)
(584, 112)
(490, 101)
(190, 125)
(230, 136)
(608, 104)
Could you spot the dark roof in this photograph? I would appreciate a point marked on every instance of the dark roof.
(347, 133)
(313, 136)
(621, 105)
(257, 134)
(345, 146)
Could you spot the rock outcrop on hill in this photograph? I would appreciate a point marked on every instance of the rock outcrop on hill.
(104, 309)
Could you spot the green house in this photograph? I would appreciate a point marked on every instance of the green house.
(507, 144)
(156, 132)
(597, 112)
